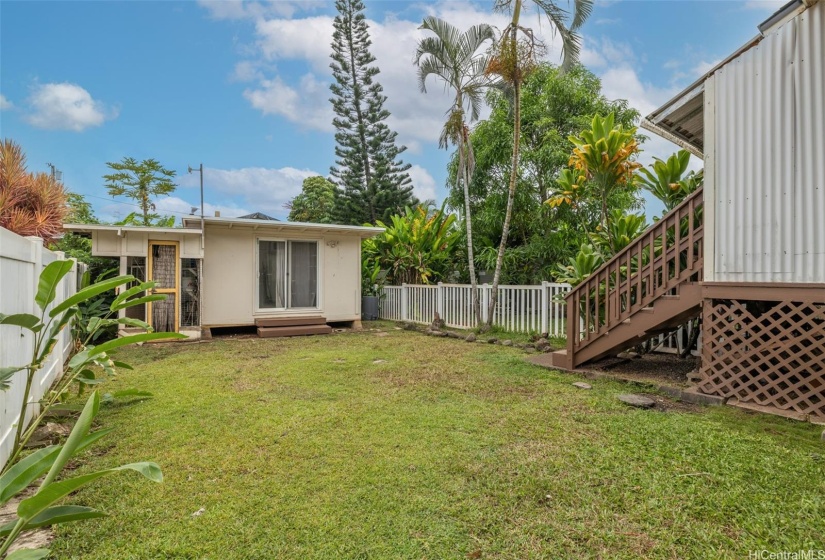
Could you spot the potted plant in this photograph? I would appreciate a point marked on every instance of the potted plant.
(372, 283)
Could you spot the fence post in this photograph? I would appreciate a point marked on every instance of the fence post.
(439, 301)
(485, 302)
(545, 305)
(404, 302)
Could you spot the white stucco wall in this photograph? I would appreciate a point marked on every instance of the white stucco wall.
(230, 276)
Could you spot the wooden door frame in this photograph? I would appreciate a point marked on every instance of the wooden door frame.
(176, 290)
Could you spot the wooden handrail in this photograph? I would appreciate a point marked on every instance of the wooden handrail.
(626, 283)
(692, 196)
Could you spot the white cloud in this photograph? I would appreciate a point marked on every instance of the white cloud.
(5, 103)
(702, 67)
(258, 189)
(415, 116)
(172, 205)
(423, 183)
(767, 5)
(66, 106)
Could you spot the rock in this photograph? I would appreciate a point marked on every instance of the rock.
(379, 361)
(199, 512)
(470, 338)
(637, 400)
(545, 335)
(694, 376)
(506, 342)
(408, 326)
(623, 356)
(542, 346)
(529, 349)
(492, 340)
(452, 334)
(582, 385)
(542, 340)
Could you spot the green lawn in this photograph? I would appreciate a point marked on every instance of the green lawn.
(308, 448)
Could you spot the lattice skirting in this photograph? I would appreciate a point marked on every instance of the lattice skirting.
(766, 353)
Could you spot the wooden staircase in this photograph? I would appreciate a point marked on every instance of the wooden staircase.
(292, 326)
(652, 286)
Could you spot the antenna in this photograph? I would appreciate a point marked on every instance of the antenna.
(57, 175)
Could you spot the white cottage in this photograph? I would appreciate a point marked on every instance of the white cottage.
(286, 278)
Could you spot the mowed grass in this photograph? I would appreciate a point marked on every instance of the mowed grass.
(397, 445)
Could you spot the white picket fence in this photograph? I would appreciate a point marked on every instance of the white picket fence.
(537, 309)
(21, 261)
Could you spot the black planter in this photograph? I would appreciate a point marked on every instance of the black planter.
(369, 308)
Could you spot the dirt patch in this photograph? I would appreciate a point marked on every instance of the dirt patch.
(662, 369)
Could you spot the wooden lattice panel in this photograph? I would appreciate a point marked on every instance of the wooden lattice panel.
(766, 353)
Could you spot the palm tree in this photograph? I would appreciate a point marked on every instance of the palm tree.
(452, 56)
(513, 60)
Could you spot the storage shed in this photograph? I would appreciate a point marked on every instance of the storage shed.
(747, 251)
(283, 277)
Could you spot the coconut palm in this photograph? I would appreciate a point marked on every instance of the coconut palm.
(515, 57)
(454, 57)
(30, 203)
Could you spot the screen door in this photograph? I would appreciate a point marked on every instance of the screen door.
(163, 270)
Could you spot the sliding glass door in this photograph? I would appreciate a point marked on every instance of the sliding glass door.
(287, 274)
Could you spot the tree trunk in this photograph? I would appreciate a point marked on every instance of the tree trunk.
(505, 229)
(463, 165)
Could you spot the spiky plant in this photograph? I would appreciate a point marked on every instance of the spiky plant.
(30, 203)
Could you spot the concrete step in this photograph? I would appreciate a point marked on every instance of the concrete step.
(299, 330)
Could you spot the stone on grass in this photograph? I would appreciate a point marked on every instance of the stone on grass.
(506, 342)
(637, 400)
(492, 340)
(582, 385)
(470, 337)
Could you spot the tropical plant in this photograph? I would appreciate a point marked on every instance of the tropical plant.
(579, 268)
(46, 329)
(604, 154)
(140, 181)
(452, 56)
(315, 203)
(416, 247)
(372, 179)
(669, 180)
(372, 281)
(621, 230)
(514, 59)
(39, 509)
(30, 203)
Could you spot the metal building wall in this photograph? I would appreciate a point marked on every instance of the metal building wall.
(769, 147)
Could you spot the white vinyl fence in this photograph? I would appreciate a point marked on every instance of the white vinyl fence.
(21, 261)
(538, 309)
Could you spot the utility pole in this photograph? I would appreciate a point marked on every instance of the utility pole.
(57, 175)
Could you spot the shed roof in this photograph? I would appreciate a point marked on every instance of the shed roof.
(88, 228)
(275, 226)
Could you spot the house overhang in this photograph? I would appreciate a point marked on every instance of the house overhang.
(682, 119)
(268, 226)
(89, 228)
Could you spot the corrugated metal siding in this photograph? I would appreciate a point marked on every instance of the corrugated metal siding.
(770, 158)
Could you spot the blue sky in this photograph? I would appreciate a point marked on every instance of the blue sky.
(243, 86)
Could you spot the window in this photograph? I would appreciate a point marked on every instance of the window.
(287, 274)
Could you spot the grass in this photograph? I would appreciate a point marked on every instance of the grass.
(397, 445)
